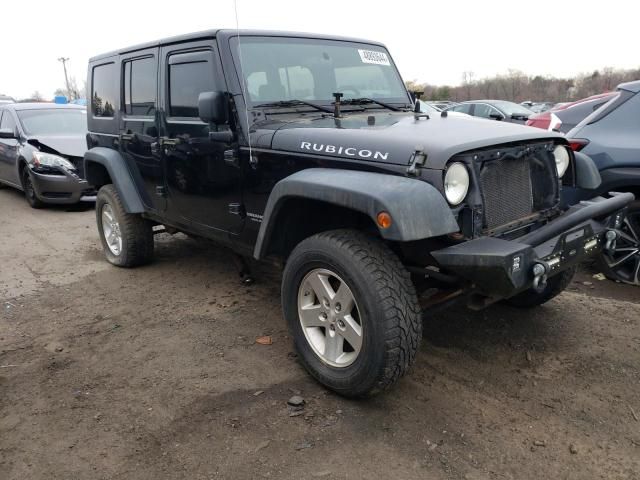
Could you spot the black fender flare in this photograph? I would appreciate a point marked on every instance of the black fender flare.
(120, 175)
(418, 210)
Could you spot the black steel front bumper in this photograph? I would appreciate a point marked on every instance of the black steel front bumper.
(65, 188)
(501, 268)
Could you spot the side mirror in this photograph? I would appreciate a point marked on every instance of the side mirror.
(212, 107)
(7, 133)
(496, 116)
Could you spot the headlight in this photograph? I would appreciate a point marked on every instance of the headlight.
(41, 159)
(456, 183)
(562, 159)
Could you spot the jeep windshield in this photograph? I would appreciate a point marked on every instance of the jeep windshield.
(287, 72)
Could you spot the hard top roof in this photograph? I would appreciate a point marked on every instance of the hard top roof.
(43, 106)
(228, 33)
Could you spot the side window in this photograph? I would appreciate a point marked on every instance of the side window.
(190, 74)
(7, 121)
(140, 86)
(464, 108)
(482, 110)
(104, 87)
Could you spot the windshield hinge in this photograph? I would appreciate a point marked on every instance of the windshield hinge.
(417, 161)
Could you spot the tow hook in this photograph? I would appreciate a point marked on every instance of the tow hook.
(611, 237)
(540, 270)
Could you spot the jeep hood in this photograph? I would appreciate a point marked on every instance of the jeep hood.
(69, 145)
(390, 137)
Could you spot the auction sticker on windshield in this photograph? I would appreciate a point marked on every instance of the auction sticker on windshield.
(371, 56)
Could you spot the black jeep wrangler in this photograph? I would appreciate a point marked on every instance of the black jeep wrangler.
(309, 150)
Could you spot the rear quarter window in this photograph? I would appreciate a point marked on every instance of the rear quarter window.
(609, 106)
(104, 90)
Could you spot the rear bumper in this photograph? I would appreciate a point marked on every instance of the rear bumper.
(501, 268)
(67, 188)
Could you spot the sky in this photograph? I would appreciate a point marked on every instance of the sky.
(430, 41)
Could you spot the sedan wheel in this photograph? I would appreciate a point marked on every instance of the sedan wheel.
(29, 190)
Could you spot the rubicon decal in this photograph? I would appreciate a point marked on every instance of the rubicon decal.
(342, 150)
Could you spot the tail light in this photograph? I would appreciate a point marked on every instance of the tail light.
(577, 144)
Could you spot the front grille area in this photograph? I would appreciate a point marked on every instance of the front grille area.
(507, 191)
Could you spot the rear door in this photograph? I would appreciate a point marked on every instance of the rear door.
(8, 149)
(203, 189)
(139, 123)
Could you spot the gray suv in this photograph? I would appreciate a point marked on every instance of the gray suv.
(611, 137)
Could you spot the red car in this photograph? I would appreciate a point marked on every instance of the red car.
(563, 117)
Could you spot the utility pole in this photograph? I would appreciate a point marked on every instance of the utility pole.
(66, 77)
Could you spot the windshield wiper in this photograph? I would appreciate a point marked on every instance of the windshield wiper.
(363, 100)
(295, 103)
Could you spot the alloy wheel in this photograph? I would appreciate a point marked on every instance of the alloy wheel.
(330, 317)
(111, 230)
(624, 261)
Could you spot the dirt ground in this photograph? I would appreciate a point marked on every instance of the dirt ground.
(154, 373)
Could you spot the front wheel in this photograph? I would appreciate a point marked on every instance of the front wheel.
(127, 238)
(555, 286)
(29, 190)
(352, 310)
(623, 263)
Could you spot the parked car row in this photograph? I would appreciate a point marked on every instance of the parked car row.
(565, 116)
(538, 107)
(4, 99)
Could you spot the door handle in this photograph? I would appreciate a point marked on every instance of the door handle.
(127, 136)
(166, 141)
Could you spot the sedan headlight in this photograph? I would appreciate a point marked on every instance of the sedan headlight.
(562, 157)
(41, 159)
(456, 183)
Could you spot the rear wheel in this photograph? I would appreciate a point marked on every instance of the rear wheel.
(555, 286)
(127, 238)
(353, 312)
(29, 190)
(623, 264)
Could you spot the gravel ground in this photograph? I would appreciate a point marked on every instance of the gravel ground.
(154, 373)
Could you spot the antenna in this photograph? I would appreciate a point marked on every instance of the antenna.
(242, 86)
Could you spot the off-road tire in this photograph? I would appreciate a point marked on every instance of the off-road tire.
(136, 232)
(555, 286)
(389, 310)
(612, 273)
(29, 190)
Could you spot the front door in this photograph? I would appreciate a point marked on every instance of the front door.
(203, 189)
(8, 150)
(139, 124)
